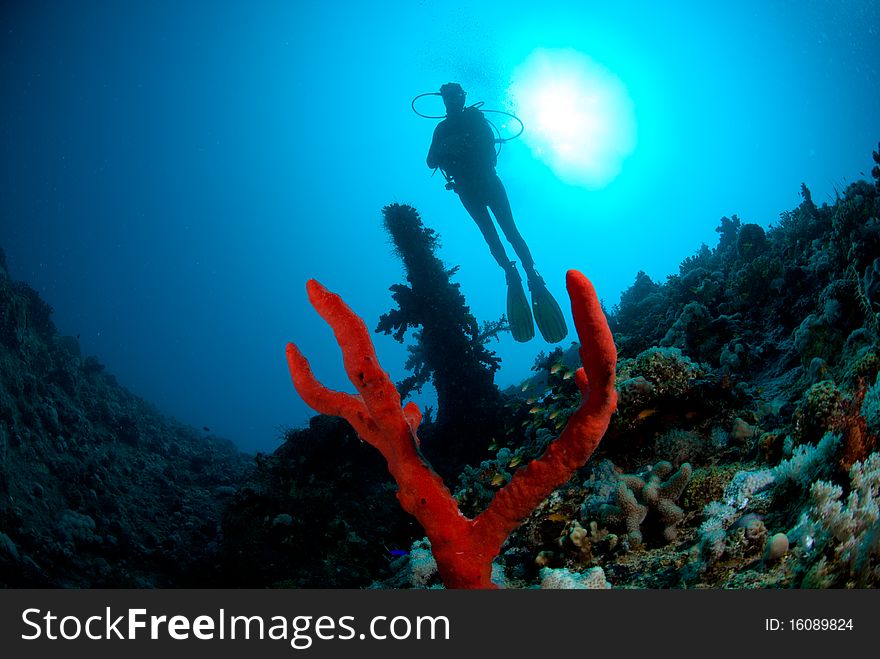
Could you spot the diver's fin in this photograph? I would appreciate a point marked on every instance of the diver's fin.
(519, 315)
(548, 315)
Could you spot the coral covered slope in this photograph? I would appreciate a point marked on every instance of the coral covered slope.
(97, 489)
(743, 452)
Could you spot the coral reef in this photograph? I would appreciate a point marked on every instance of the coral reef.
(871, 407)
(743, 453)
(97, 488)
(767, 386)
(297, 521)
(561, 578)
(839, 540)
(649, 492)
(464, 548)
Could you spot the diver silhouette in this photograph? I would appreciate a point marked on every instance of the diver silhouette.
(463, 148)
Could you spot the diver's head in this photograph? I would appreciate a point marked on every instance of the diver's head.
(453, 97)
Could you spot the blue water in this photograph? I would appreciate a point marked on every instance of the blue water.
(173, 173)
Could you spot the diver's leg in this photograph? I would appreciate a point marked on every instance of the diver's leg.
(476, 208)
(519, 313)
(547, 313)
(500, 205)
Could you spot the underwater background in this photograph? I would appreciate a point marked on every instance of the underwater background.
(173, 173)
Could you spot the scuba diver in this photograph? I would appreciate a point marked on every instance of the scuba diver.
(463, 148)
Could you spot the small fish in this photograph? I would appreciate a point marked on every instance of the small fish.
(531, 401)
(525, 386)
(398, 552)
(555, 369)
(206, 429)
(644, 414)
(554, 414)
(517, 460)
(535, 410)
(568, 375)
(497, 480)
(493, 446)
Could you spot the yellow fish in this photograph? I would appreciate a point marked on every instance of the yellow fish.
(517, 460)
(497, 480)
(535, 410)
(555, 368)
(644, 414)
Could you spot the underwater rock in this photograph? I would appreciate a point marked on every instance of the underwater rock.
(742, 431)
(667, 370)
(751, 242)
(777, 547)
(818, 411)
(818, 370)
(689, 328)
(8, 550)
(634, 391)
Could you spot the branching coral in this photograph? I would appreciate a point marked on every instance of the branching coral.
(746, 488)
(846, 531)
(639, 494)
(464, 548)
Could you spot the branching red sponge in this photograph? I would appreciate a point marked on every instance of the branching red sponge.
(463, 548)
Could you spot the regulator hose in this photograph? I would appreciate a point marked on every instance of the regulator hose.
(498, 140)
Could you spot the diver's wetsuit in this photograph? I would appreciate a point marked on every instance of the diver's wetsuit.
(464, 148)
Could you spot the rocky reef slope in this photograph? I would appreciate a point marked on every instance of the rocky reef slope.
(743, 453)
(97, 488)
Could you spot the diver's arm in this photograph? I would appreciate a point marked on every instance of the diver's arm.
(433, 159)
